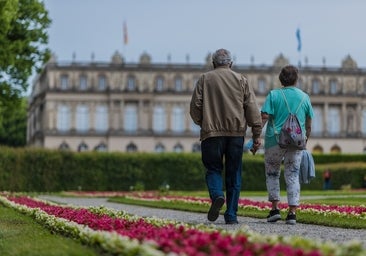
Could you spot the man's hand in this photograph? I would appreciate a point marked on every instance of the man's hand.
(256, 144)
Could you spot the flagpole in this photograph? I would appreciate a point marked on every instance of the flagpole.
(298, 36)
(125, 39)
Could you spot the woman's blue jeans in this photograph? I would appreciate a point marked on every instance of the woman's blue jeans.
(217, 153)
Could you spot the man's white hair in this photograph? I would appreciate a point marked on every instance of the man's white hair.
(221, 57)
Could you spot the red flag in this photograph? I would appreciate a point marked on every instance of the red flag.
(125, 35)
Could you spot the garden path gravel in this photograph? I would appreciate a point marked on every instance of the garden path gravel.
(313, 232)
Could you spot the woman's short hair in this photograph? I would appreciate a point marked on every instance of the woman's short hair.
(289, 75)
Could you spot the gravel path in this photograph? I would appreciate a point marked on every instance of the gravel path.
(313, 232)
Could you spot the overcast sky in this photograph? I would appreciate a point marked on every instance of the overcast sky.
(258, 29)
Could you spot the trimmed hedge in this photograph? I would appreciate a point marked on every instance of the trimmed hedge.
(41, 170)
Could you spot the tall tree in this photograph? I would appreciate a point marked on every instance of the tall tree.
(23, 49)
(23, 39)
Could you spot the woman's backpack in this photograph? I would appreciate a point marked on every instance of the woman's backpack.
(291, 134)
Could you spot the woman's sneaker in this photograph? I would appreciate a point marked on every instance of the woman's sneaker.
(274, 215)
(291, 218)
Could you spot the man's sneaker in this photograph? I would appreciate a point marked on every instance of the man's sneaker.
(214, 211)
(291, 218)
(274, 215)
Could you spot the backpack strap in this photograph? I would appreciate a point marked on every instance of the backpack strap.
(288, 107)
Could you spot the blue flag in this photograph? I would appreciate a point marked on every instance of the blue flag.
(298, 40)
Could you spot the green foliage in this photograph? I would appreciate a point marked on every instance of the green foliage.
(42, 170)
(23, 38)
(13, 128)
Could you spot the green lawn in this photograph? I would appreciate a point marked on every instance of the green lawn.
(21, 235)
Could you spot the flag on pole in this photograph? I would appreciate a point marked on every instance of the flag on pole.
(125, 34)
(298, 36)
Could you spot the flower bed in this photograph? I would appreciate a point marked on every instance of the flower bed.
(122, 234)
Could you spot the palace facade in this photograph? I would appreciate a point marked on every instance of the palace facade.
(144, 106)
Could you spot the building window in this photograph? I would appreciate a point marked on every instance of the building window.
(64, 146)
(101, 147)
(64, 82)
(102, 82)
(101, 118)
(130, 118)
(82, 118)
(364, 121)
(178, 148)
(178, 84)
(63, 118)
(177, 119)
(159, 148)
(131, 147)
(83, 85)
(159, 119)
(317, 122)
(335, 149)
(262, 86)
(131, 83)
(333, 87)
(195, 80)
(82, 147)
(333, 122)
(300, 85)
(159, 84)
(315, 87)
(195, 128)
(196, 147)
(318, 149)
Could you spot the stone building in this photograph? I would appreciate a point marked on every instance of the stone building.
(144, 106)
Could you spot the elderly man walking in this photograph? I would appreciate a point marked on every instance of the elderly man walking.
(223, 104)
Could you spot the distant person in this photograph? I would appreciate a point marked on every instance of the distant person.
(326, 177)
(274, 110)
(223, 104)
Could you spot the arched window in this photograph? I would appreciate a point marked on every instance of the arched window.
(101, 118)
(335, 149)
(64, 146)
(130, 118)
(159, 148)
(82, 147)
(177, 119)
(317, 149)
(131, 147)
(159, 119)
(63, 118)
(101, 147)
(82, 118)
(178, 148)
(196, 147)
